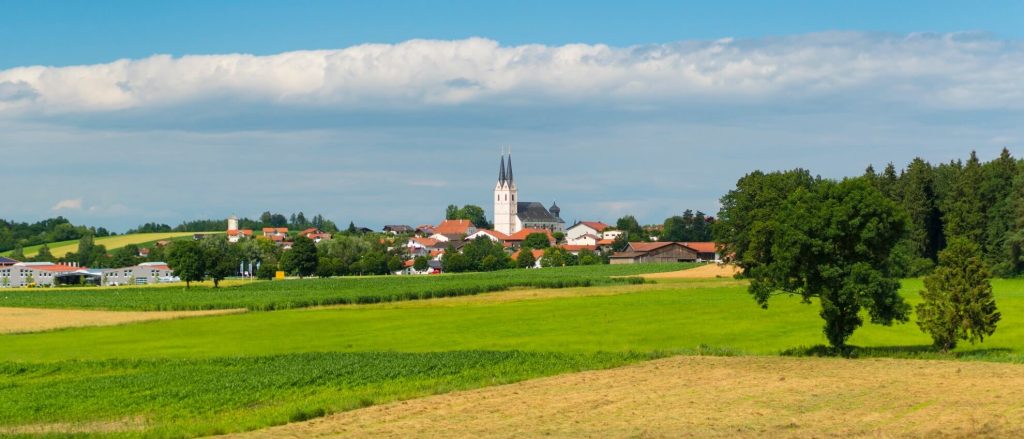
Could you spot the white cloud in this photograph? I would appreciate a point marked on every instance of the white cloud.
(70, 204)
(934, 70)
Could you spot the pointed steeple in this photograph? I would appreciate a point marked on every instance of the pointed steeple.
(509, 173)
(501, 171)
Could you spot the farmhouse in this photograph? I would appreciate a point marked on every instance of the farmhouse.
(511, 215)
(645, 252)
(585, 233)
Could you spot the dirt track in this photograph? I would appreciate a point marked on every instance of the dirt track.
(707, 271)
(35, 319)
(713, 397)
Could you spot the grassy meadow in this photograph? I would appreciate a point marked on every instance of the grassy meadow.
(301, 293)
(246, 371)
(62, 248)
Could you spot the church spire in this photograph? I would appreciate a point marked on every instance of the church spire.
(501, 171)
(509, 173)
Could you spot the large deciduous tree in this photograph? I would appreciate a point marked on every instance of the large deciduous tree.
(818, 239)
(957, 300)
(302, 259)
(188, 261)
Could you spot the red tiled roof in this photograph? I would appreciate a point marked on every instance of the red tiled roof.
(596, 225)
(648, 246)
(537, 254)
(426, 242)
(606, 242)
(454, 227)
(702, 247)
(500, 236)
(522, 234)
(409, 263)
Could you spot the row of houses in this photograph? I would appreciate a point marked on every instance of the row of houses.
(586, 235)
(15, 274)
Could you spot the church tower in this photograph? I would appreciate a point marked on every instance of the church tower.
(505, 194)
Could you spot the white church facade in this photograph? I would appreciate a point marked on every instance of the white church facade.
(512, 215)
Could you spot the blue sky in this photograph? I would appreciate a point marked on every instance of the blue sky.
(385, 112)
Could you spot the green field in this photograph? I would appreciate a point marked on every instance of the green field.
(246, 371)
(271, 295)
(59, 249)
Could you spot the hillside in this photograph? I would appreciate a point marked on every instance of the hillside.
(59, 249)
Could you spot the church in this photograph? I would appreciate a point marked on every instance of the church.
(512, 215)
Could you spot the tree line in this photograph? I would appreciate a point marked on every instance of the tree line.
(846, 243)
(297, 221)
(15, 235)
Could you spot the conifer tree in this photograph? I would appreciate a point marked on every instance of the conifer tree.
(965, 209)
(957, 300)
(919, 200)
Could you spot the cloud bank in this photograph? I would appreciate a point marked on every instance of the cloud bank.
(941, 71)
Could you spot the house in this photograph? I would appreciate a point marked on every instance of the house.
(537, 256)
(398, 229)
(646, 252)
(143, 252)
(489, 234)
(706, 251)
(7, 262)
(516, 239)
(271, 232)
(315, 234)
(576, 249)
(433, 267)
(425, 230)
(455, 227)
(593, 229)
(612, 235)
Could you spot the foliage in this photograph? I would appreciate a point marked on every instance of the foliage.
(13, 234)
(188, 261)
(301, 260)
(420, 263)
(631, 227)
(525, 258)
(555, 257)
(220, 259)
(830, 241)
(470, 212)
(957, 300)
(537, 241)
(589, 257)
(689, 227)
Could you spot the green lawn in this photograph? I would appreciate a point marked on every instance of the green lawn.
(238, 372)
(271, 295)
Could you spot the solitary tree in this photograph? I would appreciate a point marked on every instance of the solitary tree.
(420, 263)
(830, 241)
(958, 302)
(188, 261)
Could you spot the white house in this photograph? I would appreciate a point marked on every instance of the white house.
(585, 233)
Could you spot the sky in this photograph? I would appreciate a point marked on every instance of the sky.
(116, 113)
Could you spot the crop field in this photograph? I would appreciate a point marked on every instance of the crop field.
(244, 372)
(59, 249)
(301, 293)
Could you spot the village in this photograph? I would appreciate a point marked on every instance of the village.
(518, 227)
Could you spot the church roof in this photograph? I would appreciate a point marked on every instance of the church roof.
(535, 212)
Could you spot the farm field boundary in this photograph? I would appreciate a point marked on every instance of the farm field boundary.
(18, 320)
